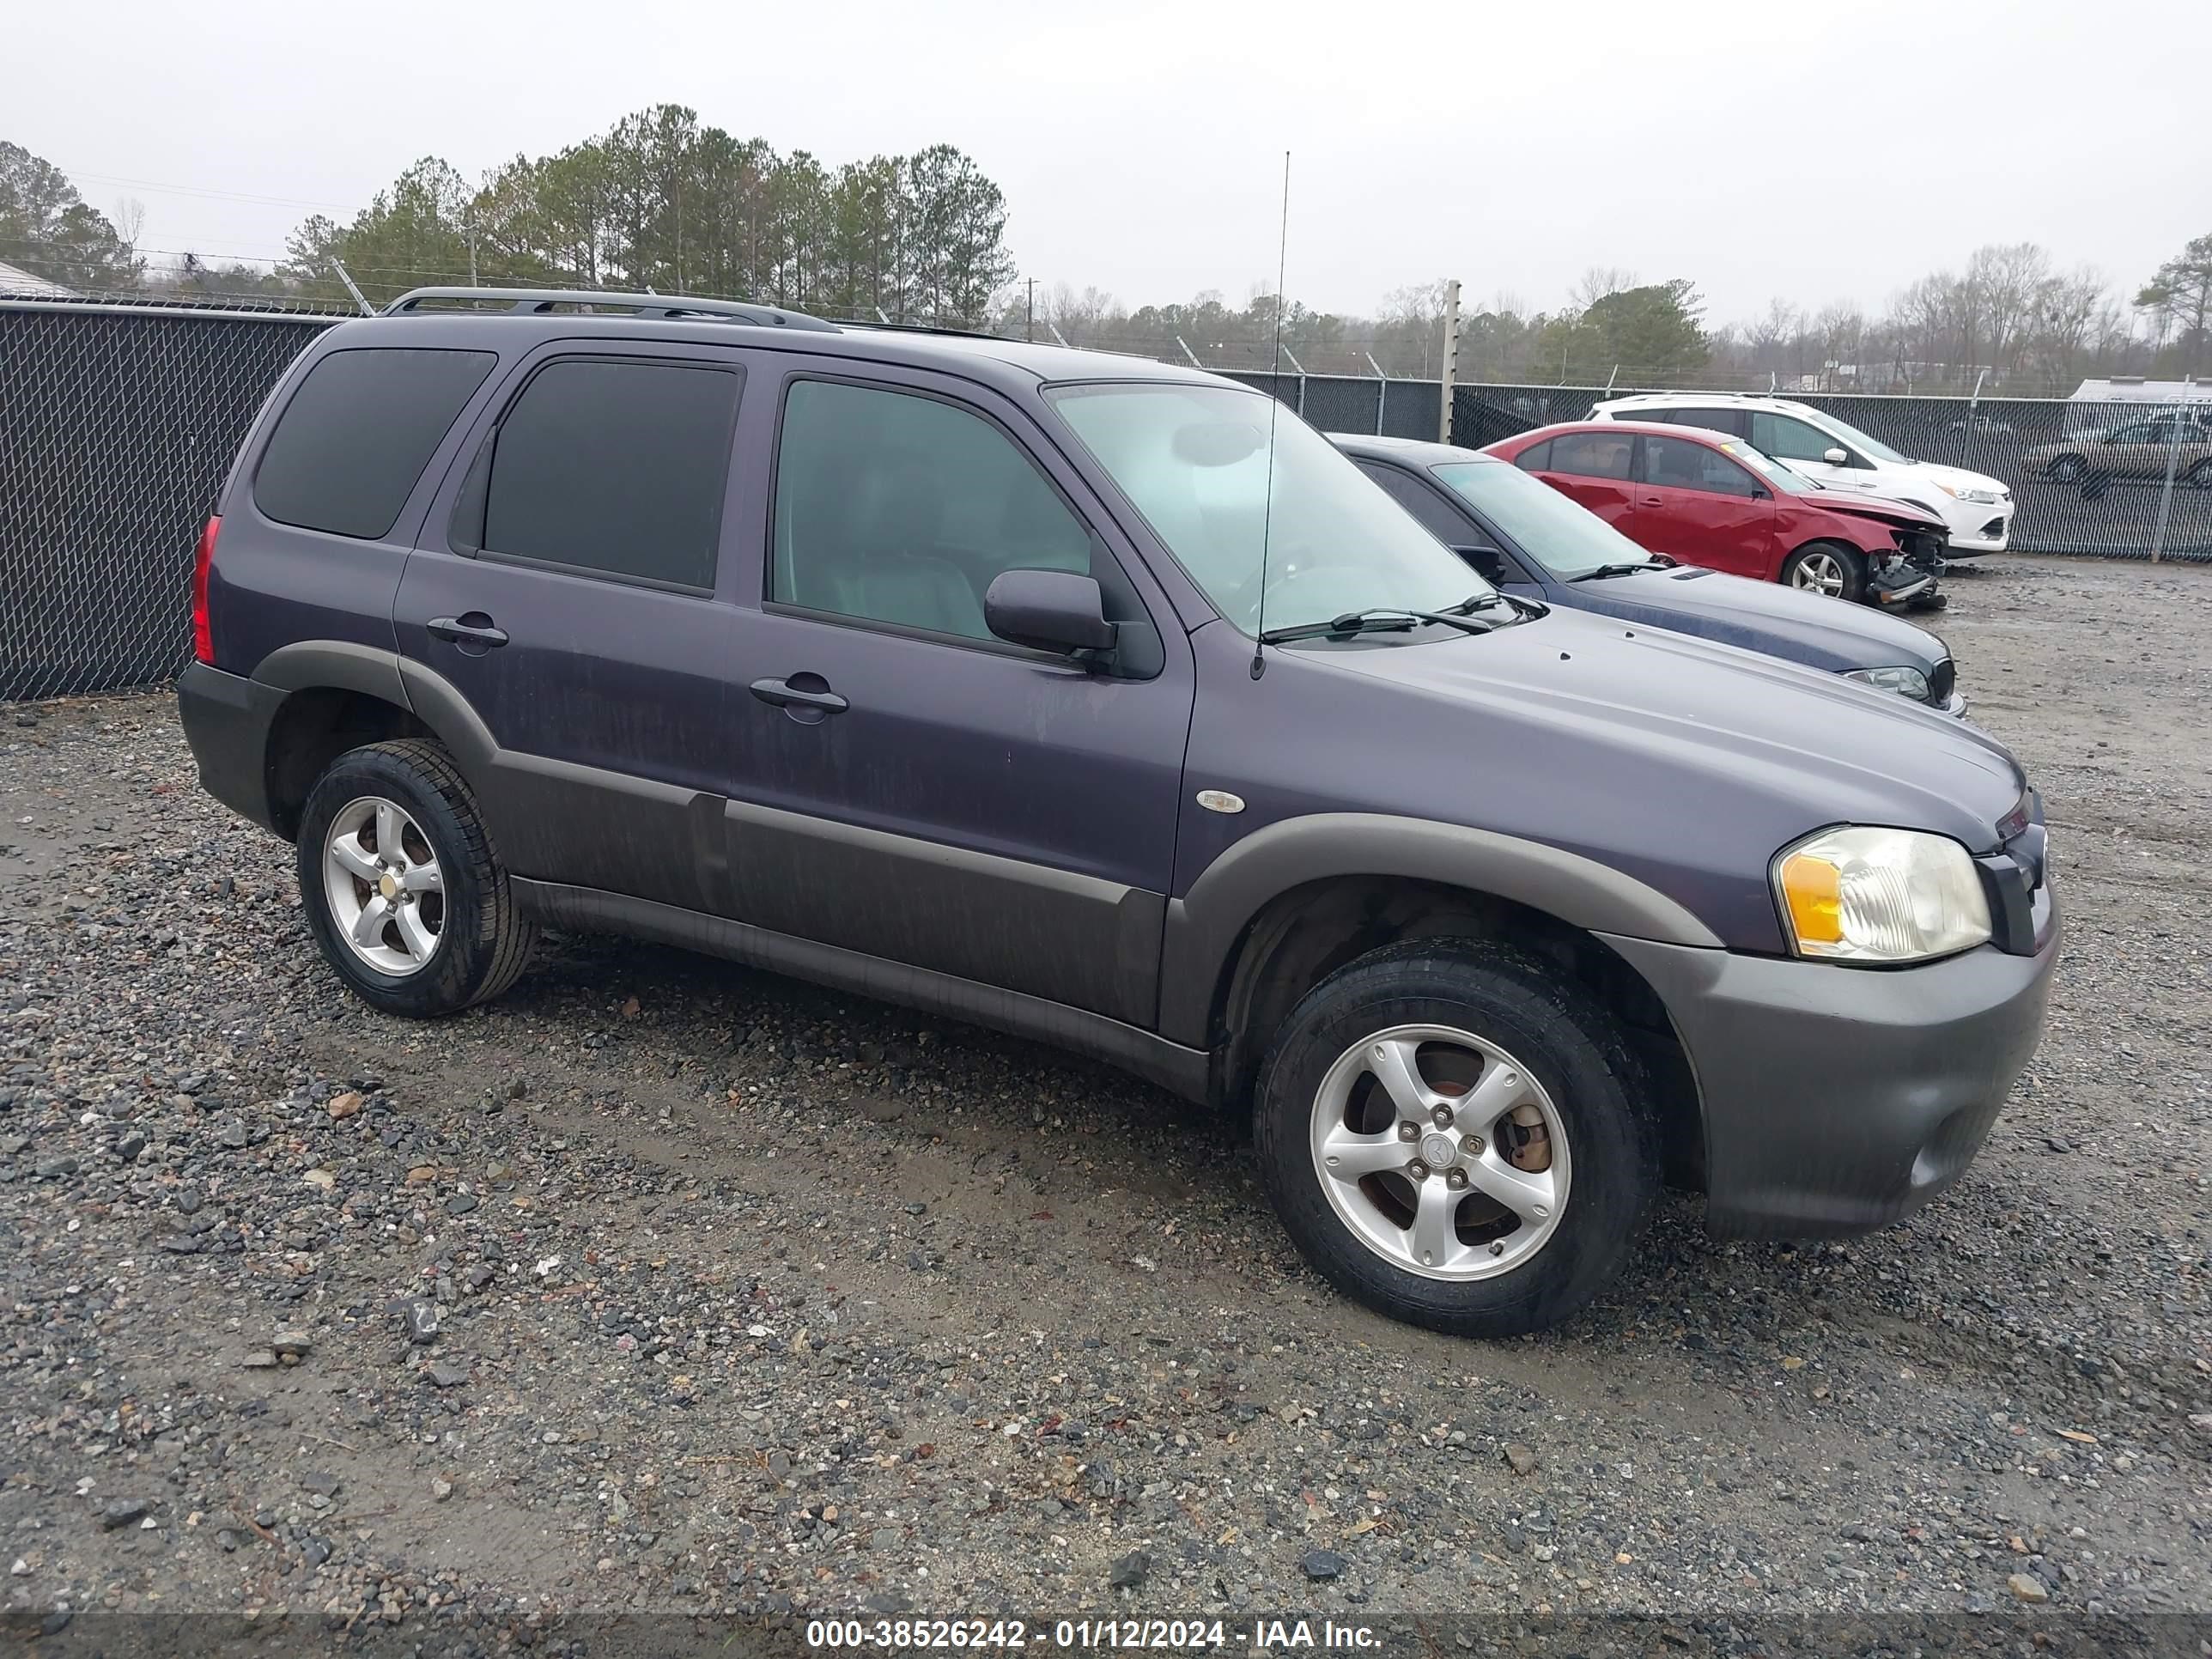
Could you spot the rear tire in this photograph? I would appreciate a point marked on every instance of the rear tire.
(456, 943)
(2064, 469)
(1523, 1064)
(2199, 476)
(1827, 567)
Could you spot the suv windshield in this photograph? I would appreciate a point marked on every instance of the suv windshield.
(1874, 446)
(1567, 540)
(1194, 460)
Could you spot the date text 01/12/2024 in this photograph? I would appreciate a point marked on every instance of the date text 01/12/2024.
(1187, 1635)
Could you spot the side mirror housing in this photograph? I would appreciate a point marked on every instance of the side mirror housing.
(1054, 610)
(1835, 457)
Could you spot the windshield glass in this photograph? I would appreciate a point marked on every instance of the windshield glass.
(1770, 469)
(1874, 446)
(1194, 460)
(1567, 540)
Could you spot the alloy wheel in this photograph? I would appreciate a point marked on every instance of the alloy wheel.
(385, 889)
(1820, 572)
(1440, 1153)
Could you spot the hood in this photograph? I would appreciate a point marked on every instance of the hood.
(1784, 621)
(1909, 515)
(1684, 763)
(1958, 477)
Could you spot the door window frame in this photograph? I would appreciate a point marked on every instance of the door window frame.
(819, 374)
(469, 474)
(1641, 464)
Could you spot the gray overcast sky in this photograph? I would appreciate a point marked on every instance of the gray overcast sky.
(1819, 151)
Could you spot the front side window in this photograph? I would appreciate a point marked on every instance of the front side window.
(895, 507)
(356, 436)
(1788, 440)
(1593, 454)
(1417, 499)
(1680, 464)
(615, 467)
(1844, 434)
(1242, 491)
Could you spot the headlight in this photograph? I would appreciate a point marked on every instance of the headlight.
(1962, 493)
(1879, 895)
(1905, 682)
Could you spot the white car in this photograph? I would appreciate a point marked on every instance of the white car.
(1977, 508)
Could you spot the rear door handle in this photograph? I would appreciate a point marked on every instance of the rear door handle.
(471, 629)
(1651, 501)
(784, 693)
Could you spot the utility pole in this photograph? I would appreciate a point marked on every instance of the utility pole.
(473, 250)
(1450, 362)
(1029, 332)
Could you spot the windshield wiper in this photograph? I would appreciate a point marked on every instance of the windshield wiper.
(1383, 618)
(1605, 570)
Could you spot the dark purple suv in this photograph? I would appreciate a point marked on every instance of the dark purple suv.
(1104, 702)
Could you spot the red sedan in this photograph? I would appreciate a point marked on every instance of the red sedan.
(1706, 498)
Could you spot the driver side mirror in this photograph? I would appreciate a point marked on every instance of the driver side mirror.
(1054, 610)
(1835, 457)
(1487, 563)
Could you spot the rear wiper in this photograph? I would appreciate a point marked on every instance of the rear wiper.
(1381, 619)
(1605, 570)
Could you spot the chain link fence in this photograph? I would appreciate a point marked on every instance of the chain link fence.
(116, 427)
(118, 421)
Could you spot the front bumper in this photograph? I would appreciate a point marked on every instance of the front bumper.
(1837, 1099)
(226, 718)
(1977, 526)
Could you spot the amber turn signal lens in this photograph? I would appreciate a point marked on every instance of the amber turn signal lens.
(1814, 890)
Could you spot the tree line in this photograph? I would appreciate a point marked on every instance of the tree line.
(657, 201)
(660, 201)
(2008, 319)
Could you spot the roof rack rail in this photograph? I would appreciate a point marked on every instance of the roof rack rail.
(538, 301)
(885, 325)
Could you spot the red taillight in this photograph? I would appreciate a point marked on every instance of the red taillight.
(203, 636)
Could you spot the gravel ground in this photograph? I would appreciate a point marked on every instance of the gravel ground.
(665, 1285)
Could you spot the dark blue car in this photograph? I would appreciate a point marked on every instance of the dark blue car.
(1531, 540)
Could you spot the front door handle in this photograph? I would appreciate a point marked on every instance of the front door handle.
(472, 628)
(1651, 501)
(800, 692)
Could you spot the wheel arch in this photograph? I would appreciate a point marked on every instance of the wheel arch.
(338, 696)
(1297, 901)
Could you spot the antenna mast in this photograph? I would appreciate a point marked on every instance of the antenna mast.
(1274, 408)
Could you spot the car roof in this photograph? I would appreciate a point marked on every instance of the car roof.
(1414, 451)
(1712, 399)
(1011, 365)
(1659, 428)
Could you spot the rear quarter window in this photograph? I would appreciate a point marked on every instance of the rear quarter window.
(356, 436)
(1535, 458)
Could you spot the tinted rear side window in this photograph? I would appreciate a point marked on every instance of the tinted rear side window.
(615, 467)
(356, 435)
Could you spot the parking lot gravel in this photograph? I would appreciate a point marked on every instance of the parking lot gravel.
(661, 1285)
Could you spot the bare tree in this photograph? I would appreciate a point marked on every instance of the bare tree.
(1598, 282)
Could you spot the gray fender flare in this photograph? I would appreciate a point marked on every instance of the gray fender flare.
(1208, 925)
(341, 665)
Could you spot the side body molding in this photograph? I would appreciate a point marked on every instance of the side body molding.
(1206, 924)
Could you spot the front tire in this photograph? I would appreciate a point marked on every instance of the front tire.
(1456, 1134)
(2064, 470)
(403, 892)
(1827, 567)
